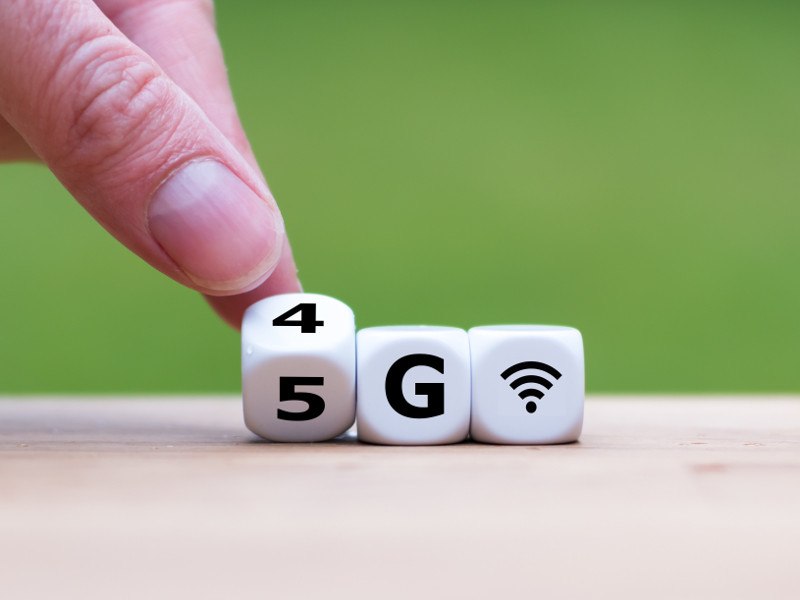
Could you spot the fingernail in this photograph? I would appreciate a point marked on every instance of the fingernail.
(219, 232)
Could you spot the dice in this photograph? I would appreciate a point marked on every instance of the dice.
(509, 384)
(298, 368)
(413, 385)
(527, 384)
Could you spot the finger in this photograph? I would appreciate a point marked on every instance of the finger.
(133, 148)
(12, 146)
(282, 281)
(181, 36)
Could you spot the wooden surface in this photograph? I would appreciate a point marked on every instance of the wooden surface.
(173, 498)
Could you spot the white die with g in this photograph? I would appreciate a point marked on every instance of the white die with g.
(413, 385)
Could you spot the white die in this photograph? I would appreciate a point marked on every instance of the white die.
(527, 384)
(413, 385)
(298, 368)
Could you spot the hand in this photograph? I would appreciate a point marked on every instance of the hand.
(127, 102)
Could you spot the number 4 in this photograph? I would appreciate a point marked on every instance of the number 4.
(308, 318)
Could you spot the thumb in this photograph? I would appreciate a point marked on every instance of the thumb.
(133, 148)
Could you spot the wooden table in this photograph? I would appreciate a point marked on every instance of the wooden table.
(172, 497)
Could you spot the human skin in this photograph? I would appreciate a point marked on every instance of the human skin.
(127, 102)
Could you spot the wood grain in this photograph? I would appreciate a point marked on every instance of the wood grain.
(172, 497)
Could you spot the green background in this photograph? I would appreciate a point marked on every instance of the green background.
(625, 168)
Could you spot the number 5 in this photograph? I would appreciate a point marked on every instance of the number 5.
(316, 405)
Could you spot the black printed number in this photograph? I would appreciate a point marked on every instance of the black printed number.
(308, 318)
(316, 405)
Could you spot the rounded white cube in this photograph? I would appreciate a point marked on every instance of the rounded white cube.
(298, 368)
(413, 385)
(527, 384)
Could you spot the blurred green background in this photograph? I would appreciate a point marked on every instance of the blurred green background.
(627, 168)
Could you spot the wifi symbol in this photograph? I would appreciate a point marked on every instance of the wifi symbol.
(524, 379)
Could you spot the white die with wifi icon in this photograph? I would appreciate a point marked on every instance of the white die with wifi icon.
(527, 384)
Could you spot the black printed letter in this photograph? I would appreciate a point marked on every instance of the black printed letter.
(434, 391)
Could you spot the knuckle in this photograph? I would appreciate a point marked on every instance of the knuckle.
(206, 7)
(118, 104)
(203, 7)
